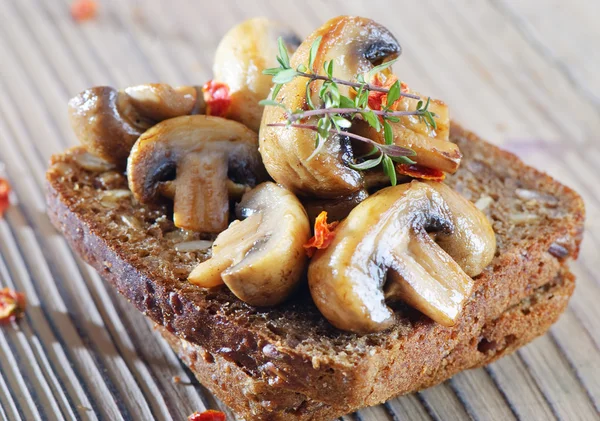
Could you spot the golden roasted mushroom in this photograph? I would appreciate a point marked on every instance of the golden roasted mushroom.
(418, 242)
(261, 258)
(108, 122)
(355, 45)
(243, 53)
(432, 146)
(191, 159)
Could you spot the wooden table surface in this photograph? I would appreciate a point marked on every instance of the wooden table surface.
(523, 74)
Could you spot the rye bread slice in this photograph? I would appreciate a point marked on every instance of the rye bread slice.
(253, 398)
(538, 223)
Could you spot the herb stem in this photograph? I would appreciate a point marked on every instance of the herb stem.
(406, 151)
(368, 86)
(324, 111)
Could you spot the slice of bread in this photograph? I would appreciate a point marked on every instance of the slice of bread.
(538, 224)
(254, 398)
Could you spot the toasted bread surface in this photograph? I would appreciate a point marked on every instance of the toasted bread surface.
(538, 224)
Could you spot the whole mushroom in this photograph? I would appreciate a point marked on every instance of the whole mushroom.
(243, 53)
(418, 242)
(260, 258)
(355, 45)
(192, 159)
(108, 121)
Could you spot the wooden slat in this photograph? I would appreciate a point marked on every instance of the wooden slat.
(507, 69)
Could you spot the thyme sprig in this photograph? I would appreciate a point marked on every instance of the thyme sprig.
(338, 111)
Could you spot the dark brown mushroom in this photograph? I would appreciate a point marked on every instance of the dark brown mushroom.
(108, 121)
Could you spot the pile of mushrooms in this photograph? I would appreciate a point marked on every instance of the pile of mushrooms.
(419, 242)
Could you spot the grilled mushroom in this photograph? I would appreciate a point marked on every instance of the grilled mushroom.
(108, 122)
(191, 158)
(432, 146)
(355, 45)
(261, 258)
(417, 242)
(243, 53)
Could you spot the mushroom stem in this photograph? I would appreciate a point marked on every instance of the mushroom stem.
(201, 195)
(425, 277)
(237, 242)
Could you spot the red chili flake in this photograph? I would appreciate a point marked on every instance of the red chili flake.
(4, 195)
(378, 100)
(210, 415)
(82, 10)
(419, 171)
(217, 98)
(12, 305)
(324, 235)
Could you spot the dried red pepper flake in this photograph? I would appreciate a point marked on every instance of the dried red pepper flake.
(378, 100)
(82, 10)
(324, 234)
(4, 195)
(12, 305)
(421, 172)
(210, 415)
(217, 98)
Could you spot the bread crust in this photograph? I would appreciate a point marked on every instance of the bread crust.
(291, 347)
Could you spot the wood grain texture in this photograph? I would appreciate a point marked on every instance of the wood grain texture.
(521, 74)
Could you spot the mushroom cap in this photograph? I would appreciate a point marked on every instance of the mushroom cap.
(260, 258)
(355, 45)
(384, 250)
(159, 101)
(99, 119)
(156, 153)
(243, 53)
(108, 122)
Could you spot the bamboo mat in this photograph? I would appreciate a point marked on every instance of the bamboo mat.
(522, 74)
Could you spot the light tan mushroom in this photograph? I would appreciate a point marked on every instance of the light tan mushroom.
(418, 242)
(355, 45)
(243, 53)
(194, 156)
(261, 258)
(108, 122)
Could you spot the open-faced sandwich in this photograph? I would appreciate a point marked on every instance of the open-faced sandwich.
(310, 234)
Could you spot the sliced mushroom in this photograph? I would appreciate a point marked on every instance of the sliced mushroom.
(108, 122)
(418, 242)
(355, 45)
(261, 258)
(243, 53)
(432, 146)
(196, 155)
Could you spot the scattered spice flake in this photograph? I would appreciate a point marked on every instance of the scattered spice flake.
(378, 100)
(217, 98)
(324, 235)
(12, 305)
(176, 379)
(4, 196)
(83, 10)
(419, 171)
(210, 415)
